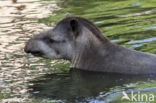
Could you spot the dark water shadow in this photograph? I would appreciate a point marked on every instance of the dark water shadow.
(81, 86)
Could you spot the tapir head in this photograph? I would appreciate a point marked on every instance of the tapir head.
(57, 43)
(68, 39)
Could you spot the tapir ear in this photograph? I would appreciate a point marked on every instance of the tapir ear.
(75, 28)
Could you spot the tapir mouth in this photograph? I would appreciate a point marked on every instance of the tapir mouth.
(37, 53)
(33, 52)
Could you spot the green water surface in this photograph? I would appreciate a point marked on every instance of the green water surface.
(130, 23)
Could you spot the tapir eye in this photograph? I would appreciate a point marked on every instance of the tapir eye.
(49, 40)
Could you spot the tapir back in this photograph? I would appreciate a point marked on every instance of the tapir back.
(130, 61)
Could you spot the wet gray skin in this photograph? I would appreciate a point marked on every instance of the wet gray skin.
(81, 42)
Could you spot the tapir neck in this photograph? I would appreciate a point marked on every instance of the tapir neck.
(90, 56)
(89, 50)
(114, 58)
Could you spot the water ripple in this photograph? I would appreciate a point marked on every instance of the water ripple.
(142, 41)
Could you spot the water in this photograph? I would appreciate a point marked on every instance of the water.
(87, 87)
(129, 23)
(18, 22)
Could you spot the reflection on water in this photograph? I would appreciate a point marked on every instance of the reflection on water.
(153, 27)
(82, 86)
(142, 41)
(136, 3)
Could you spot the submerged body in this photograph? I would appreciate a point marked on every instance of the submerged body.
(82, 43)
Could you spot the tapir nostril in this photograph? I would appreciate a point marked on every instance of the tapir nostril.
(26, 50)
